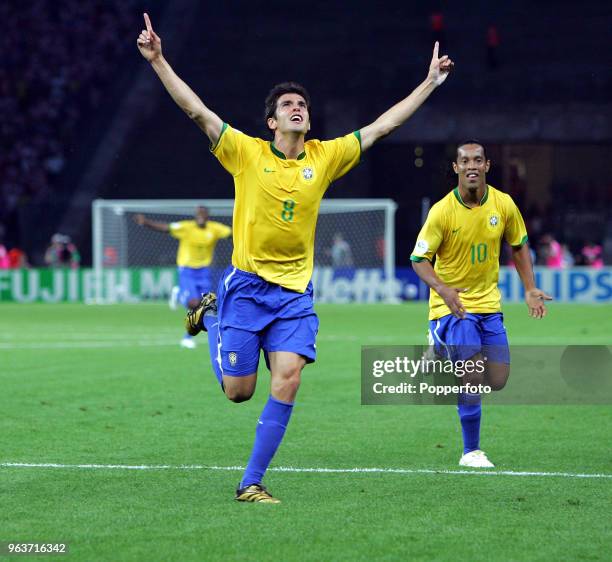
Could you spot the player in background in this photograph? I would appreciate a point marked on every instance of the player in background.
(265, 298)
(197, 240)
(464, 232)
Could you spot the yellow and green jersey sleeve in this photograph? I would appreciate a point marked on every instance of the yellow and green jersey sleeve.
(430, 237)
(342, 153)
(466, 243)
(178, 229)
(277, 201)
(516, 232)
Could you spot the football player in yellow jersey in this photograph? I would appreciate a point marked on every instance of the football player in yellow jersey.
(197, 241)
(265, 298)
(464, 231)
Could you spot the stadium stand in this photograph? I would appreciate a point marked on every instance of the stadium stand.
(550, 86)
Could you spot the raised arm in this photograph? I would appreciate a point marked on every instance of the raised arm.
(534, 297)
(149, 45)
(401, 112)
(141, 220)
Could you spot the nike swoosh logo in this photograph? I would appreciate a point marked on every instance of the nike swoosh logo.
(268, 171)
(456, 230)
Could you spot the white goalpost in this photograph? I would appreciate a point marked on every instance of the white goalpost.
(353, 236)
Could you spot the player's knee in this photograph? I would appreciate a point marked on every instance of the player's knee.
(498, 384)
(238, 398)
(238, 395)
(288, 381)
(292, 384)
(497, 376)
(238, 389)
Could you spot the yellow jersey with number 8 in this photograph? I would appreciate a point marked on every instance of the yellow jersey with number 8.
(277, 201)
(466, 242)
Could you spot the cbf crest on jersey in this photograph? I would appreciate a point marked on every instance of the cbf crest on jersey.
(307, 173)
(493, 220)
(233, 358)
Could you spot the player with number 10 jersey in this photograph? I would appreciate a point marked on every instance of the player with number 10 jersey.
(467, 243)
(464, 232)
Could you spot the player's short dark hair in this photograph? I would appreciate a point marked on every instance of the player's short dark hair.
(280, 90)
(472, 141)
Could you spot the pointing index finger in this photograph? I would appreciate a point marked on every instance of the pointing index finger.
(148, 22)
(435, 51)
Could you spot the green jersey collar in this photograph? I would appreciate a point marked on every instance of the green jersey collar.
(482, 201)
(278, 153)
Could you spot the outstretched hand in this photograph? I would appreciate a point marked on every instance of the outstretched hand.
(450, 296)
(149, 43)
(439, 68)
(535, 302)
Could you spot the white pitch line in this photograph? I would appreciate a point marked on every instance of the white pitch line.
(89, 344)
(366, 470)
(142, 342)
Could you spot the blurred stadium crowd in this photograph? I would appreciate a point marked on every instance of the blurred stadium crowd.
(57, 59)
(61, 58)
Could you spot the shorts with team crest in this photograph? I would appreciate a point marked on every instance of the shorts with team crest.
(255, 314)
(459, 339)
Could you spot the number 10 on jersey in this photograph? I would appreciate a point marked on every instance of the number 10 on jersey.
(478, 253)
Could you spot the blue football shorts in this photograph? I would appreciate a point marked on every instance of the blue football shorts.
(193, 283)
(460, 339)
(255, 314)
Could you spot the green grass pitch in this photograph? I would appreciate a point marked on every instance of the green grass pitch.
(110, 386)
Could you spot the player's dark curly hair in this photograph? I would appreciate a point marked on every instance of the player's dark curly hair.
(281, 89)
(472, 141)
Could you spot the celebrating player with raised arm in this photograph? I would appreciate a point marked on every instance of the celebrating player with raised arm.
(464, 231)
(197, 241)
(265, 299)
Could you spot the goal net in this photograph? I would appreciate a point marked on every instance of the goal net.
(354, 240)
